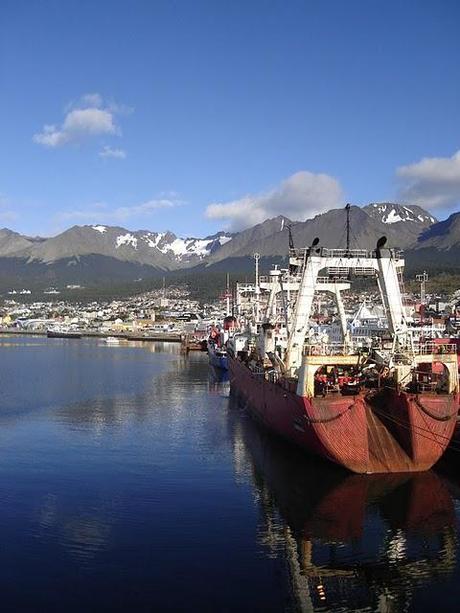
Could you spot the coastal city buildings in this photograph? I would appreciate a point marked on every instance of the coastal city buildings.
(155, 311)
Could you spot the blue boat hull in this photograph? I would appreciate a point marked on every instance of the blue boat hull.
(218, 361)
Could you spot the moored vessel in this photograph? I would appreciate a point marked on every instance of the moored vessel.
(217, 342)
(217, 356)
(62, 332)
(389, 407)
(112, 340)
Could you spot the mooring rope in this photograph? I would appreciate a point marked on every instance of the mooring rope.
(325, 420)
(432, 415)
(419, 430)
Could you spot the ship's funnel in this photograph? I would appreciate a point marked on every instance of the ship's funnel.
(381, 242)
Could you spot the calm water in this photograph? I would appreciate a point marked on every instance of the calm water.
(129, 481)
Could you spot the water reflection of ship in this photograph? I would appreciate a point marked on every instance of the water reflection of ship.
(350, 541)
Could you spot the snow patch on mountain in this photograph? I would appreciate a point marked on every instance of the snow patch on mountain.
(178, 247)
(100, 229)
(181, 249)
(153, 238)
(393, 217)
(198, 247)
(393, 213)
(126, 239)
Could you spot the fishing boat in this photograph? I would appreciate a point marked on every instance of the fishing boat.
(386, 408)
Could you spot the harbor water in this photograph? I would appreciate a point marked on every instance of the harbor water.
(130, 480)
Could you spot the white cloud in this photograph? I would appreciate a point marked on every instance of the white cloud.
(6, 213)
(100, 212)
(145, 208)
(431, 182)
(7, 216)
(299, 197)
(88, 119)
(92, 100)
(110, 152)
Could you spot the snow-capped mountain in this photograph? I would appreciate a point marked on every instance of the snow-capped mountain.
(391, 213)
(163, 250)
(185, 249)
(181, 249)
(405, 223)
(100, 254)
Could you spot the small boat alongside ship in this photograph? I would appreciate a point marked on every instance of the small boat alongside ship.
(194, 342)
(217, 342)
(385, 408)
(217, 356)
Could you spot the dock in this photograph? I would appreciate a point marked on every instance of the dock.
(167, 337)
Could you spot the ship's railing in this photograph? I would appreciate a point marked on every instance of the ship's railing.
(435, 348)
(296, 279)
(345, 349)
(339, 279)
(327, 349)
(341, 253)
(427, 387)
(284, 278)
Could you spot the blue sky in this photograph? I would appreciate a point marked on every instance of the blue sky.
(194, 116)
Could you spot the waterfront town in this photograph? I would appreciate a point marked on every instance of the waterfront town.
(173, 311)
(148, 313)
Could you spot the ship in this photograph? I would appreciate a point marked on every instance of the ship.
(217, 356)
(217, 342)
(385, 408)
(62, 332)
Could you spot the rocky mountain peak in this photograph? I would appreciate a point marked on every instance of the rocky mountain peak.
(392, 213)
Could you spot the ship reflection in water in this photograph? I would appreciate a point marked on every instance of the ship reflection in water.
(357, 542)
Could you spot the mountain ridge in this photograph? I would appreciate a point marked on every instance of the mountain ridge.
(114, 253)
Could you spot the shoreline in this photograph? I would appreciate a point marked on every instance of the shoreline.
(161, 337)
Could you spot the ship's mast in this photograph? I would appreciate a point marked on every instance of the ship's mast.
(347, 208)
(227, 295)
(291, 239)
(423, 278)
(257, 286)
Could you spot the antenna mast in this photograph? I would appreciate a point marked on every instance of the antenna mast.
(347, 208)
(291, 239)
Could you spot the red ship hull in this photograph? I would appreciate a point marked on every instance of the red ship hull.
(381, 431)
